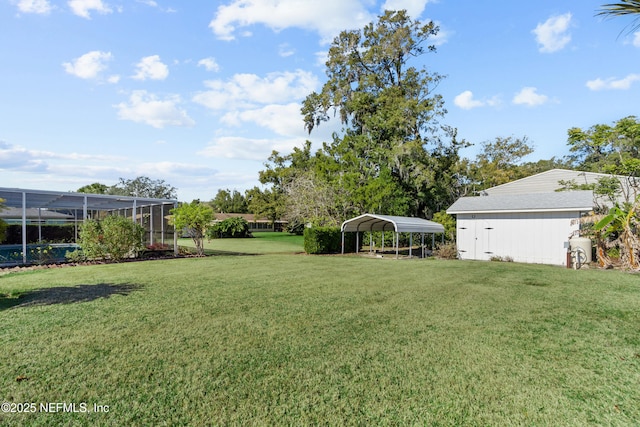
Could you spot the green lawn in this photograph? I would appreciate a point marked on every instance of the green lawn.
(334, 340)
(261, 243)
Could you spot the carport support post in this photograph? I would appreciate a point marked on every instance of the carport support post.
(410, 245)
(382, 242)
(175, 235)
(397, 243)
(24, 227)
(342, 242)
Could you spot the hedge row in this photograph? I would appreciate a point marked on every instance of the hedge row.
(327, 240)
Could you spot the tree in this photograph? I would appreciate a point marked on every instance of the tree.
(229, 202)
(95, 188)
(613, 149)
(143, 186)
(268, 203)
(194, 218)
(621, 224)
(389, 116)
(499, 162)
(623, 8)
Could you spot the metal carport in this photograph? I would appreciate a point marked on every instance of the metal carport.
(61, 200)
(397, 224)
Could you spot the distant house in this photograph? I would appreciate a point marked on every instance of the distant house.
(255, 224)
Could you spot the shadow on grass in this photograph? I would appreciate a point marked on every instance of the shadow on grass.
(66, 295)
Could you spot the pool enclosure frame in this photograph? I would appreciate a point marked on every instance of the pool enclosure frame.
(397, 224)
(88, 205)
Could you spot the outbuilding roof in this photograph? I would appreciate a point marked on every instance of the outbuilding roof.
(562, 201)
(399, 224)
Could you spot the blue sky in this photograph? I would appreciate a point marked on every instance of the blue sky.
(198, 93)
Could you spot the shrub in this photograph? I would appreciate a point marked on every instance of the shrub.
(114, 237)
(322, 240)
(229, 228)
(447, 250)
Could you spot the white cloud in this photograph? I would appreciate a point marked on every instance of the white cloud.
(148, 2)
(18, 158)
(147, 108)
(150, 67)
(552, 35)
(209, 64)
(89, 65)
(413, 7)
(249, 90)
(83, 7)
(234, 147)
(327, 17)
(284, 120)
(529, 96)
(612, 83)
(466, 101)
(285, 50)
(168, 169)
(636, 39)
(41, 7)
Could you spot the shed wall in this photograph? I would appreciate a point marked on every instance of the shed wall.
(535, 237)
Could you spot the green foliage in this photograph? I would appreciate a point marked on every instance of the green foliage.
(621, 224)
(194, 218)
(623, 8)
(449, 223)
(385, 160)
(95, 188)
(322, 240)
(499, 162)
(141, 186)
(267, 203)
(113, 237)
(612, 149)
(226, 201)
(229, 228)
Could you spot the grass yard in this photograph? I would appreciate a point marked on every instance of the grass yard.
(261, 243)
(335, 340)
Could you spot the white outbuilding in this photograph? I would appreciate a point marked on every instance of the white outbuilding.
(526, 227)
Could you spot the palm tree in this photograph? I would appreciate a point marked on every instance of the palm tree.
(621, 223)
(623, 8)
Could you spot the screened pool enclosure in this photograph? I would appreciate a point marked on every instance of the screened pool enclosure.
(37, 216)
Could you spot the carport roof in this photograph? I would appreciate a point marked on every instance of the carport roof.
(54, 200)
(399, 224)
